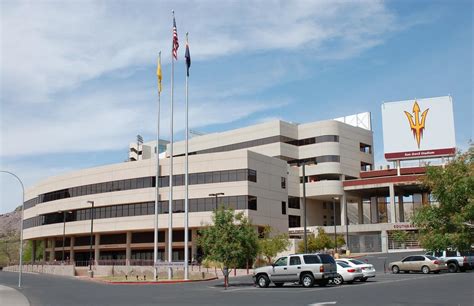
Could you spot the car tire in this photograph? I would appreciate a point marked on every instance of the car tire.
(425, 270)
(263, 281)
(307, 280)
(453, 267)
(279, 284)
(338, 280)
(395, 269)
(363, 279)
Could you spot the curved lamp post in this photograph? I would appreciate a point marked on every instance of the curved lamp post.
(21, 225)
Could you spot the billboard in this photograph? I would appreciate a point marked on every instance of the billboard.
(420, 128)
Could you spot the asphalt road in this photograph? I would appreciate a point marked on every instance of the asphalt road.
(385, 289)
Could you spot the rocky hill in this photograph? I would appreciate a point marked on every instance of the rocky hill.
(10, 223)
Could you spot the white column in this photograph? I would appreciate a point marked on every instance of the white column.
(360, 211)
(384, 237)
(343, 205)
(193, 244)
(72, 241)
(374, 217)
(391, 189)
(128, 249)
(401, 210)
(97, 248)
(52, 252)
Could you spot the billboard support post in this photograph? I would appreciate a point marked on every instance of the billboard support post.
(398, 167)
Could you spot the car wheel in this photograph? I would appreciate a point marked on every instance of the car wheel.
(263, 281)
(279, 284)
(307, 280)
(452, 267)
(363, 279)
(425, 269)
(395, 269)
(338, 280)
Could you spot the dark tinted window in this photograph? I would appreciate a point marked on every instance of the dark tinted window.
(281, 262)
(409, 258)
(451, 254)
(295, 260)
(418, 258)
(325, 258)
(431, 257)
(311, 259)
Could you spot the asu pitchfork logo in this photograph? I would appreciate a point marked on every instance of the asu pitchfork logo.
(417, 125)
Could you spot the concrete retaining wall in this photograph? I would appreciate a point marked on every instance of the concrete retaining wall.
(64, 270)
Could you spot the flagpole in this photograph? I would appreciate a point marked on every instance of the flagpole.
(170, 203)
(157, 195)
(186, 170)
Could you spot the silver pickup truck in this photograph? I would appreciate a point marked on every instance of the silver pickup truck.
(305, 269)
(456, 260)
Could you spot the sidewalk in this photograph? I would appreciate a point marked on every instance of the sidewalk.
(12, 297)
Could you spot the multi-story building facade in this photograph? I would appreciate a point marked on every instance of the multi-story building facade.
(259, 170)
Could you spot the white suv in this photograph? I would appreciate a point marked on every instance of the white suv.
(306, 269)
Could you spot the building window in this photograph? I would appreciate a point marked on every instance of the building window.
(365, 166)
(294, 221)
(283, 183)
(283, 208)
(324, 206)
(365, 148)
(294, 202)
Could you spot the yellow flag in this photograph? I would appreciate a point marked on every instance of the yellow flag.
(158, 73)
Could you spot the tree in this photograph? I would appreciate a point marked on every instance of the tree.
(449, 224)
(321, 242)
(270, 246)
(231, 240)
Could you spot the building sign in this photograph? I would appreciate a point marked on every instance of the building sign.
(421, 128)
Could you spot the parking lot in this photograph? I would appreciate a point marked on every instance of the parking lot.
(384, 289)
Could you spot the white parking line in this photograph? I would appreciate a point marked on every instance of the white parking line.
(323, 303)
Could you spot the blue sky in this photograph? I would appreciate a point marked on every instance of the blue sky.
(78, 79)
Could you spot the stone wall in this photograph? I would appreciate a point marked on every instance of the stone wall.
(64, 270)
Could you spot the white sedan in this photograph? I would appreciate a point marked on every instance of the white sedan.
(367, 269)
(346, 273)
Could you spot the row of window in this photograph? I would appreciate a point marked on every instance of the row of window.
(316, 160)
(313, 140)
(269, 140)
(146, 208)
(146, 182)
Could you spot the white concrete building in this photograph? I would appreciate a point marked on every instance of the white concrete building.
(258, 168)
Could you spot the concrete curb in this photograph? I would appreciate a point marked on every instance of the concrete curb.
(148, 282)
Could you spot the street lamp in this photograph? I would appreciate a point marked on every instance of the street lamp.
(64, 230)
(334, 199)
(216, 195)
(305, 235)
(92, 230)
(20, 266)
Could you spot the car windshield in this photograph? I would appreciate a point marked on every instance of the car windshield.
(343, 264)
(431, 257)
(357, 262)
(325, 258)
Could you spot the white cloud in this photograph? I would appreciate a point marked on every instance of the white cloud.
(52, 49)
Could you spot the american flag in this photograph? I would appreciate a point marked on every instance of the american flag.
(175, 40)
